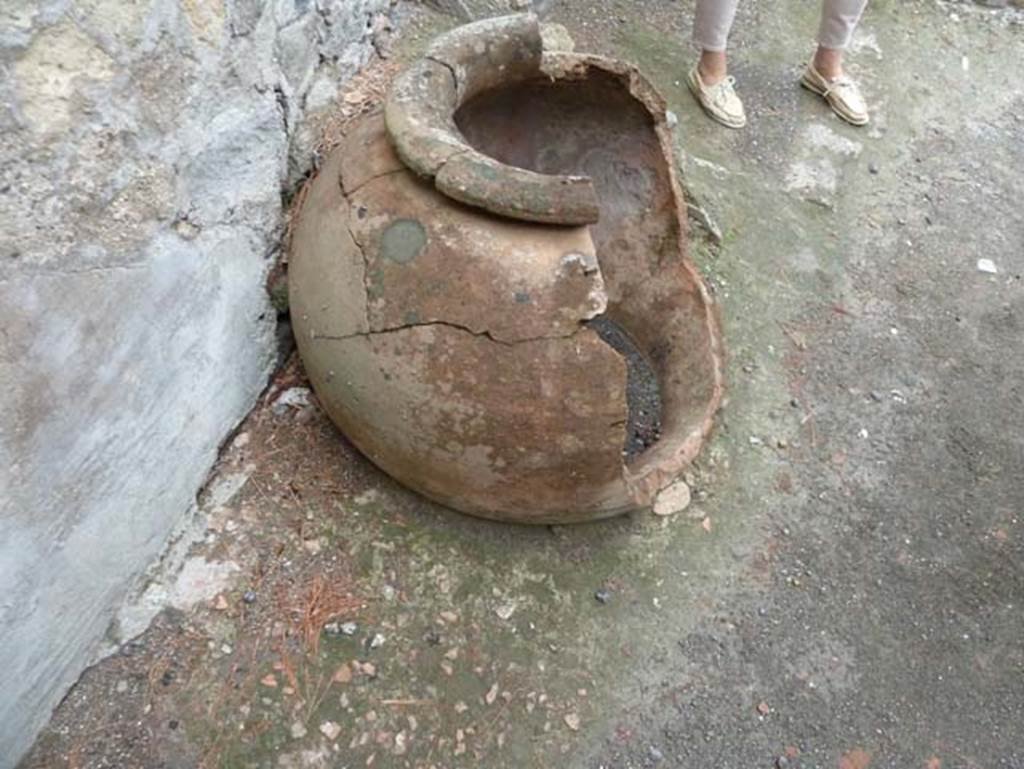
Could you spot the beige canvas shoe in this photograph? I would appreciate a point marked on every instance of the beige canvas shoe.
(719, 100)
(842, 95)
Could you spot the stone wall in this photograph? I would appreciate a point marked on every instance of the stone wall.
(145, 148)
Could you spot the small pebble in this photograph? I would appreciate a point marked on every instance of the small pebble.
(293, 397)
(342, 675)
(131, 647)
(673, 499)
(602, 595)
(492, 694)
(330, 730)
(987, 266)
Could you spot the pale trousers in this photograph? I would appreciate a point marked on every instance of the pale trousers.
(714, 20)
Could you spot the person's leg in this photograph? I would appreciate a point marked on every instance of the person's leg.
(838, 20)
(711, 26)
(709, 80)
(824, 75)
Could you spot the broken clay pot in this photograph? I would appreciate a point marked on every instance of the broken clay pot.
(487, 278)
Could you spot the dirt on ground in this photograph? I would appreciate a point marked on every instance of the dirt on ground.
(845, 589)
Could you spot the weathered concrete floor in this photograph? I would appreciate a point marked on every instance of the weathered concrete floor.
(846, 590)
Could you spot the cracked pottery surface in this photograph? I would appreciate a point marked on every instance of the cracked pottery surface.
(442, 319)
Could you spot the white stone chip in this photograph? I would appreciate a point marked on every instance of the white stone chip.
(330, 730)
(672, 499)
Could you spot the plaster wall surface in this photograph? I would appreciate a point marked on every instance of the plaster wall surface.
(146, 145)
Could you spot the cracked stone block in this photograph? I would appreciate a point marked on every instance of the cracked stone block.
(490, 290)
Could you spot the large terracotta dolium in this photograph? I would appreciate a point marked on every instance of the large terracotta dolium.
(453, 263)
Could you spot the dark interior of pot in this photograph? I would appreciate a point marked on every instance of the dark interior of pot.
(657, 316)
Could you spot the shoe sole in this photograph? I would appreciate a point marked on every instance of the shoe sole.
(695, 90)
(813, 87)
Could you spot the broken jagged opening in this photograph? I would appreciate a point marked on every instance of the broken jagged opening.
(643, 397)
(594, 127)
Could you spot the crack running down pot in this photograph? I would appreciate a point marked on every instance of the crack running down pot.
(490, 289)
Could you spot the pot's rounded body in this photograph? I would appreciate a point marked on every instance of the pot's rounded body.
(443, 299)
